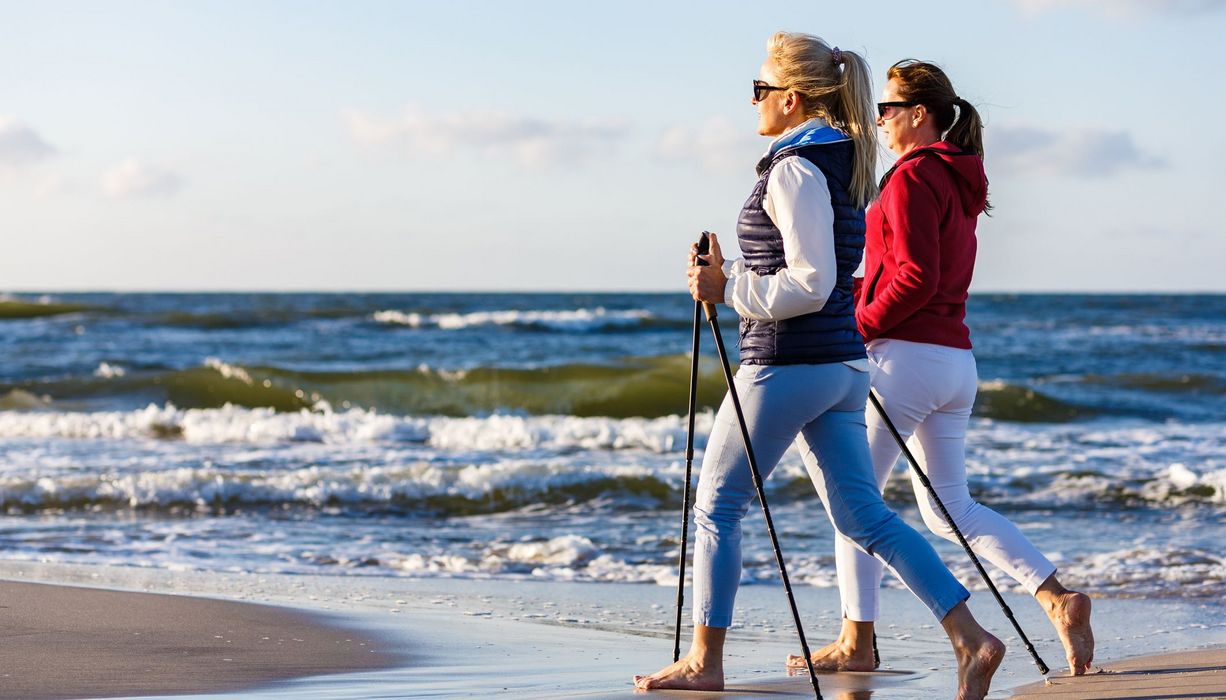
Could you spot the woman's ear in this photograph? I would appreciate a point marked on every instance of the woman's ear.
(919, 116)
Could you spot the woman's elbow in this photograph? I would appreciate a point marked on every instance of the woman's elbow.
(807, 301)
(921, 284)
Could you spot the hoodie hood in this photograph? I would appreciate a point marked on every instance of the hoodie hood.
(966, 168)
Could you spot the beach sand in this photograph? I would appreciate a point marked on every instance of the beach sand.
(1185, 674)
(538, 639)
(72, 642)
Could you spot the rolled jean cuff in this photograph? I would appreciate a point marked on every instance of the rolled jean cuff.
(867, 610)
(952, 599)
(1032, 582)
(707, 619)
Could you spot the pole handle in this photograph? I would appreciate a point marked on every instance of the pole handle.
(704, 247)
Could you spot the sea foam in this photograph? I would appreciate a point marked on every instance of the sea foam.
(231, 424)
(575, 320)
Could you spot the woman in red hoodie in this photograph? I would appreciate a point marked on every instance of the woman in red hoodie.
(910, 307)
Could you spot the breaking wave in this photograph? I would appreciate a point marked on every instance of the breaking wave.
(366, 459)
(646, 387)
(649, 387)
(578, 320)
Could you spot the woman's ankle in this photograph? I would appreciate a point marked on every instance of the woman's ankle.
(707, 647)
(855, 634)
(961, 627)
(1050, 592)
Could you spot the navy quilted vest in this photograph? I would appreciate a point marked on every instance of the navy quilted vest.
(829, 334)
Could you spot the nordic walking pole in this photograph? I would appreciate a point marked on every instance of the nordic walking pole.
(689, 465)
(932, 492)
(709, 309)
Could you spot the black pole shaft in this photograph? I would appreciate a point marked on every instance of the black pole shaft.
(757, 483)
(689, 466)
(932, 492)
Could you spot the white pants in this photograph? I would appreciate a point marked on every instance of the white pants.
(927, 391)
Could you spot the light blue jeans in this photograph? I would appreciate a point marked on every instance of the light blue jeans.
(821, 408)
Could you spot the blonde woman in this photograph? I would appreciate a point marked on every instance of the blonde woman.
(803, 375)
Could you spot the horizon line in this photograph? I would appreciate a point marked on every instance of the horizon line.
(286, 291)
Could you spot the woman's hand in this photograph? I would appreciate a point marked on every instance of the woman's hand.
(707, 282)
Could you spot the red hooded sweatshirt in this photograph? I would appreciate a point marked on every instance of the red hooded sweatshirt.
(919, 250)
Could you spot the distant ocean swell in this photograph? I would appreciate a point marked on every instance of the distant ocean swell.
(646, 387)
(573, 321)
(12, 309)
(579, 320)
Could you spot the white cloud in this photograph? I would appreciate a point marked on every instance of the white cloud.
(1079, 152)
(132, 178)
(529, 141)
(715, 145)
(1125, 8)
(21, 146)
(52, 185)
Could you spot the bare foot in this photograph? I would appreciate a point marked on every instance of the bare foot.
(976, 665)
(687, 674)
(1070, 614)
(836, 656)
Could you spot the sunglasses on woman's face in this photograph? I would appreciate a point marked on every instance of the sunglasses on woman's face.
(883, 107)
(761, 89)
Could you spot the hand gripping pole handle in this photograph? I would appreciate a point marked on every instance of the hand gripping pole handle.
(704, 247)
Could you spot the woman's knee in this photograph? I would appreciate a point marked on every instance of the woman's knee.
(866, 525)
(936, 522)
(719, 514)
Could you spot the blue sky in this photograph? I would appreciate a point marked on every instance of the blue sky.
(562, 145)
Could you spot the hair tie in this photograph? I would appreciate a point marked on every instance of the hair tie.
(836, 55)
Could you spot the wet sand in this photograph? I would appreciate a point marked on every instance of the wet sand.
(70, 642)
(1184, 674)
(515, 639)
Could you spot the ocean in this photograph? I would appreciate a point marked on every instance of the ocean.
(540, 437)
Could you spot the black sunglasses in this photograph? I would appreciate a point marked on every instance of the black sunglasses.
(882, 106)
(761, 89)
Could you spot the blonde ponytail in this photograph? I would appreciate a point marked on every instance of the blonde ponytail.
(835, 85)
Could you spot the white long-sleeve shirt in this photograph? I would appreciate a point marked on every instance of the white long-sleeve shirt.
(797, 201)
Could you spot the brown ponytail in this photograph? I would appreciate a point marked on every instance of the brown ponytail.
(967, 132)
(926, 84)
